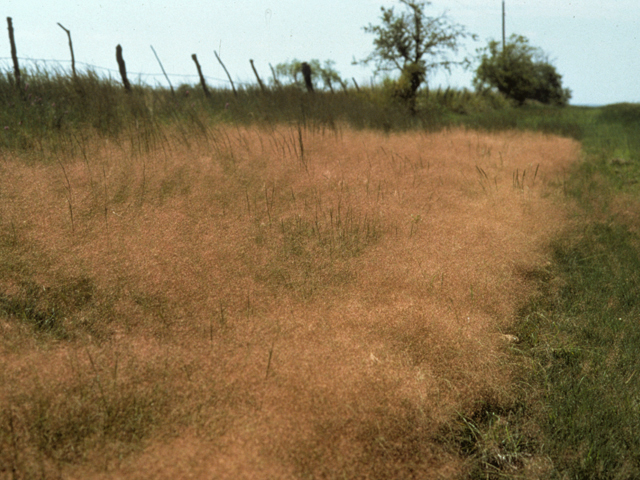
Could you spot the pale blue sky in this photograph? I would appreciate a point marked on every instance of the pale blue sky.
(594, 44)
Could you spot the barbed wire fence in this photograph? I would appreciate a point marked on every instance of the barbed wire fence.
(57, 67)
(64, 66)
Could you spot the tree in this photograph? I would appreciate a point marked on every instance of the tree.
(520, 72)
(414, 44)
(325, 73)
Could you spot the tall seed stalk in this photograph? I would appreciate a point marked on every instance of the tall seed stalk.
(69, 196)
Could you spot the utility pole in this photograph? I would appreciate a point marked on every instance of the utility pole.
(503, 30)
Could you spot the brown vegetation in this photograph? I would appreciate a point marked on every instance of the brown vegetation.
(264, 302)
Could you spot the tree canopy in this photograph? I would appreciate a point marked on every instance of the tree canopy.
(322, 74)
(520, 72)
(414, 44)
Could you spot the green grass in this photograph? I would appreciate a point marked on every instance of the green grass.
(587, 339)
(53, 110)
(593, 413)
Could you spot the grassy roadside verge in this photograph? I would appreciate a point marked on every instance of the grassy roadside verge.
(578, 412)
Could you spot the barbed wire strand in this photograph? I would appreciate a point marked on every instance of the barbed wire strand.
(111, 70)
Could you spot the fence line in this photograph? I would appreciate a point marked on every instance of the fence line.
(115, 71)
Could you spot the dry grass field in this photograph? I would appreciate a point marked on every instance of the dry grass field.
(265, 302)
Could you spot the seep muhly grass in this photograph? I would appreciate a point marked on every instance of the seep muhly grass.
(266, 301)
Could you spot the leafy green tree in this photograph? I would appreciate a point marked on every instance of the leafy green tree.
(322, 75)
(414, 44)
(520, 72)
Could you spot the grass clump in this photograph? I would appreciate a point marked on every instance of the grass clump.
(75, 409)
(45, 310)
(316, 252)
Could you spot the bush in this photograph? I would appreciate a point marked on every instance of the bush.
(520, 72)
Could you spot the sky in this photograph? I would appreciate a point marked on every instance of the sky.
(594, 44)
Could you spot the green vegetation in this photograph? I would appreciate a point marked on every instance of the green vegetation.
(323, 75)
(54, 109)
(520, 72)
(414, 45)
(582, 331)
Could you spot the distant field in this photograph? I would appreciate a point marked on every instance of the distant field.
(267, 302)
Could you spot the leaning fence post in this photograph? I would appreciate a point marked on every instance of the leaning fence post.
(162, 68)
(275, 76)
(14, 54)
(257, 76)
(73, 60)
(123, 69)
(227, 72)
(202, 82)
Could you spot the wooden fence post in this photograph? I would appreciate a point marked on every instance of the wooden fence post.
(328, 82)
(306, 73)
(14, 54)
(257, 76)
(275, 76)
(73, 60)
(227, 72)
(202, 82)
(162, 68)
(123, 69)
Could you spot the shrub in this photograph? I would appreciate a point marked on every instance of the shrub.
(520, 72)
